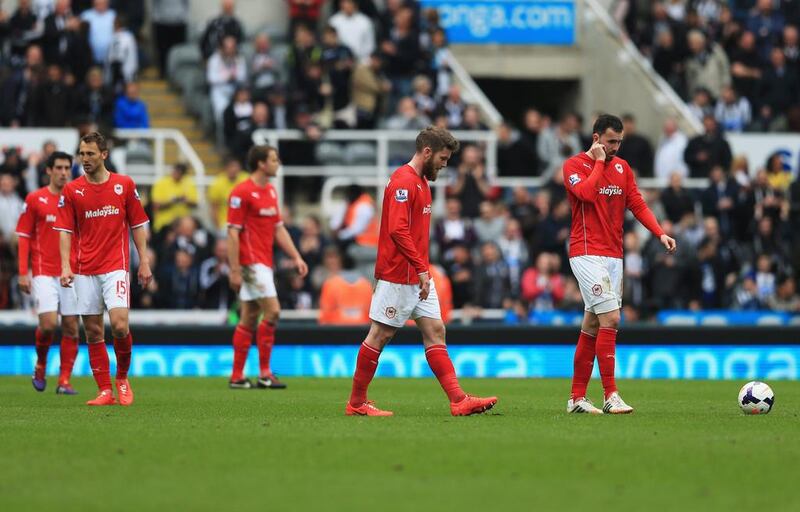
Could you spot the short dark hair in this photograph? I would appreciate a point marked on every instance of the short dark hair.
(606, 121)
(58, 155)
(97, 138)
(258, 154)
(437, 139)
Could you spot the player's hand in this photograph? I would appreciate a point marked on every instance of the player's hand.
(145, 275)
(669, 244)
(67, 277)
(301, 266)
(424, 285)
(235, 279)
(597, 151)
(25, 284)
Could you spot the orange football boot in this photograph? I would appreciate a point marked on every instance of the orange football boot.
(124, 392)
(104, 397)
(366, 409)
(472, 405)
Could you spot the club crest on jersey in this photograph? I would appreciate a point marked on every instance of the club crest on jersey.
(619, 168)
(597, 290)
(236, 202)
(574, 179)
(401, 195)
(390, 312)
(61, 201)
(118, 189)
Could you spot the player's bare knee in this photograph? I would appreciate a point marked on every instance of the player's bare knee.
(610, 320)
(69, 326)
(271, 317)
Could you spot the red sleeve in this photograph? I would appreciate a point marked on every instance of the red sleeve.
(66, 213)
(399, 229)
(278, 218)
(133, 205)
(636, 204)
(581, 184)
(236, 208)
(26, 223)
(24, 248)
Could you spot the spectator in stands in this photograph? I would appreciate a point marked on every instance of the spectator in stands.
(732, 112)
(123, 56)
(184, 234)
(423, 88)
(101, 29)
(746, 66)
(552, 231)
(304, 12)
(785, 297)
(53, 101)
(170, 20)
(226, 70)
(409, 118)
(453, 230)
(180, 287)
(791, 48)
(637, 150)
(676, 199)
(471, 120)
(439, 64)
(740, 171)
(707, 150)
(11, 205)
(359, 223)
(707, 66)
(719, 200)
(219, 190)
(767, 25)
(766, 120)
(779, 175)
(633, 272)
(453, 107)
(515, 253)
(243, 136)
(667, 283)
(215, 293)
(345, 295)
(701, 105)
(668, 61)
(511, 153)
(355, 29)
(237, 118)
(764, 278)
(489, 225)
(710, 279)
(669, 153)
(55, 37)
(304, 55)
(264, 68)
(37, 166)
(401, 49)
(369, 91)
(149, 297)
(768, 240)
(770, 202)
(558, 143)
(279, 110)
(23, 30)
(470, 185)
(95, 101)
(337, 66)
(779, 87)
(491, 278)
(129, 110)
(173, 197)
(523, 210)
(461, 272)
(293, 291)
(745, 296)
(542, 287)
(223, 26)
(311, 242)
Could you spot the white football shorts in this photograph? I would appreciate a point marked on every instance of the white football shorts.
(102, 291)
(393, 304)
(49, 296)
(258, 282)
(600, 281)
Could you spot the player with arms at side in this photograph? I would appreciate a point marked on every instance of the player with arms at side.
(405, 289)
(254, 225)
(38, 241)
(95, 213)
(600, 187)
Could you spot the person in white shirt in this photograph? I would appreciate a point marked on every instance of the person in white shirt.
(10, 206)
(355, 30)
(101, 28)
(225, 70)
(123, 56)
(669, 154)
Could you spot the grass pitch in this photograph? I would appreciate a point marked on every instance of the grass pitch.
(192, 444)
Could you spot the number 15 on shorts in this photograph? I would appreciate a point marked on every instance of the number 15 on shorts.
(122, 289)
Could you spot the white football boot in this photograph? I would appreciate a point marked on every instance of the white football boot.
(614, 404)
(582, 406)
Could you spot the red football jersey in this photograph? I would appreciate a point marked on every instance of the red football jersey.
(254, 210)
(98, 216)
(404, 237)
(599, 200)
(36, 223)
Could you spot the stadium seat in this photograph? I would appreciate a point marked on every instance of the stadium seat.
(181, 58)
(331, 153)
(360, 153)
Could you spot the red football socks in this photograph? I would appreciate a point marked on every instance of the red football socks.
(265, 339)
(98, 360)
(582, 365)
(122, 348)
(366, 364)
(442, 367)
(69, 351)
(242, 339)
(606, 347)
(43, 342)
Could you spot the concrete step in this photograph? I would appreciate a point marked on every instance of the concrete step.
(153, 86)
(175, 122)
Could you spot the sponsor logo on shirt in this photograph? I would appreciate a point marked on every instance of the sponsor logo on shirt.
(268, 212)
(50, 218)
(401, 195)
(426, 210)
(574, 179)
(42, 199)
(61, 201)
(118, 189)
(236, 202)
(105, 211)
(611, 190)
(79, 191)
(619, 168)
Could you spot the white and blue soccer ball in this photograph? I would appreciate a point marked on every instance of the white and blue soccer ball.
(756, 398)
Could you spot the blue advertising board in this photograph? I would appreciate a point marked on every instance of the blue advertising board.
(545, 22)
(743, 362)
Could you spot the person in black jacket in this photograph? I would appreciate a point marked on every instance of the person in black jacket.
(636, 149)
(707, 150)
(220, 27)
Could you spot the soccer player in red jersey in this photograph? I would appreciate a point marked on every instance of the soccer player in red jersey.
(405, 289)
(38, 242)
(254, 225)
(95, 212)
(600, 187)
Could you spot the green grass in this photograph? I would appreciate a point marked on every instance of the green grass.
(192, 444)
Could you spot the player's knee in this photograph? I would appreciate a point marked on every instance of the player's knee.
(119, 329)
(69, 329)
(249, 322)
(271, 317)
(610, 320)
(47, 328)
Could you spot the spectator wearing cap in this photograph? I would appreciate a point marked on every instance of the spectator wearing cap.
(173, 197)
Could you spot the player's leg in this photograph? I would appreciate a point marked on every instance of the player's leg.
(608, 315)
(44, 338)
(123, 347)
(69, 351)
(265, 340)
(583, 365)
(378, 337)
(242, 339)
(98, 359)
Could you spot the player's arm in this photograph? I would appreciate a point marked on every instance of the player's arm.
(145, 274)
(585, 188)
(637, 205)
(285, 242)
(25, 229)
(400, 232)
(64, 246)
(235, 276)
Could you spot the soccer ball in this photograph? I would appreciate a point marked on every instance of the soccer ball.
(756, 398)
